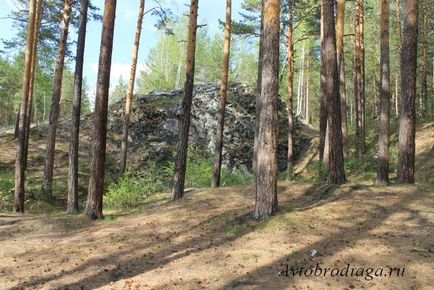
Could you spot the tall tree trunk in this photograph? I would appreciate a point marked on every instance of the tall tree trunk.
(432, 90)
(291, 61)
(424, 63)
(363, 76)
(17, 123)
(330, 88)
(72, 206)
(300, 82)
(129, 99)
(407, 119)
(266, 177)
(223, 93)
(398, 25)
(398, 72)
(54, 111)
(360, 83)
(383, 142)
(322, 104)
(258, 89)
(96, 183)
(397, 76)
(308, 115)
(184, 123)
(38, 19)
(340, 27)
(20, 157)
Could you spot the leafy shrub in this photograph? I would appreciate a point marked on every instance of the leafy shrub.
(235, 177)
(133, 188)
(200, 170)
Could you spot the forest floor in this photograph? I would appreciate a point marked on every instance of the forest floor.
(209, 240)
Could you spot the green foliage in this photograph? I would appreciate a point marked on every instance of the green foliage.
(200, 170)
(119, 92)
(50, 32)
(166, 61)
(321, 170)
(366, 167)
(133, 188)
(11, 74)
(6, 189)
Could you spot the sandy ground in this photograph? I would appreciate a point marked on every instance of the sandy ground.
(209, 241)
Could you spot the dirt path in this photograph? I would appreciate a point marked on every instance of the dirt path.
(209, 241)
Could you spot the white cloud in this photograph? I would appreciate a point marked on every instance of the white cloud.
(130, 13)
(11, 4)
(119, 70)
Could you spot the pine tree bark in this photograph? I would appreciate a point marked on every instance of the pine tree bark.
(72, 204)
(398, 25)
(97, 173)
(17, 123)
(291, 61)
(399, 34)
(322, 107)
(258, 89)
(223, 94)
(340, 27)
(184, 123)
(424, 63)
(55, 102)
(38, 19)
(20, 157)
(266, 177)
(359, 79)
(383, 142)
(330, 88)
(407, 118)
(130, 93)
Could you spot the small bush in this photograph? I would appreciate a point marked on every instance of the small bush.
(200, 171)
(133, 188)
(235, 177)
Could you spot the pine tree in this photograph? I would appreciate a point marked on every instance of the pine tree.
(290, 57)
(340, 27)
(383, 142)
(184, 123)
(20, 159)
(330, 90)
(55, 102)
(223, 95)
(38, 19)
(97, 171)
(266, 172)
(407, 110)
(72, 206)
(130, 92)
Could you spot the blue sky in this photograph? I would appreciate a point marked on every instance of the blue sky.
(210, 11)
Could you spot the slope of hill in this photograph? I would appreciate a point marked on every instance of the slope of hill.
(209, 240)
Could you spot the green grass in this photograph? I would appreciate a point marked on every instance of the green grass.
(6, 190)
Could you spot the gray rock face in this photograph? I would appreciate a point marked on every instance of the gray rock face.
(154, 125)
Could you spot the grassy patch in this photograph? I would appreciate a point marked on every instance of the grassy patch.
(6, 190)
(279, 223)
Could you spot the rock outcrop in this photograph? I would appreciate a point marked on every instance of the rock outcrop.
(154, 125)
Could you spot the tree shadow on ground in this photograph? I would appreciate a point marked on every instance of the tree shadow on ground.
(206, 225)
(343, 240)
